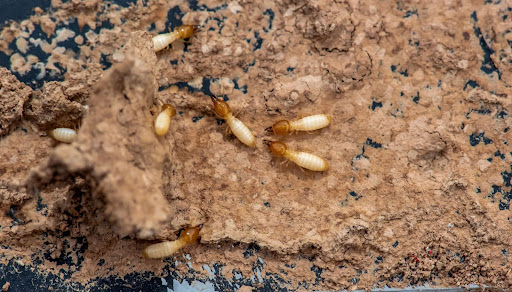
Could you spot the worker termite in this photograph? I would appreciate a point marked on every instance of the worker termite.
(238, 128)
(163, 120)
(64, 135)
(167, 248)
(302, 159)
(161, 41)
(309, 123)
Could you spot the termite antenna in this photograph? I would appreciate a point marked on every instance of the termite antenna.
(269, 129)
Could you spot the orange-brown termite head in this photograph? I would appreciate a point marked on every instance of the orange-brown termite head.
(172, 111)
(278, 148)
(186, 31)
(220, 107)
(281, 127)
(190, 234)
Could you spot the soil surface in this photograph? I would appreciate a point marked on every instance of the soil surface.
(419, 186)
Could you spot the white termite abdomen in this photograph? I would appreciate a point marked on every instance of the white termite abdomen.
(64, 135)
(163, 249)
(162, 41)
(311, 123)
(162, 123)
(241, 131)
(307, 160)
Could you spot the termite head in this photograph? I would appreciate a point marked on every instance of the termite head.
(170, 108)
(220, 107)
(186, 31)
(278, 148)
(280, 128)
(190, 234)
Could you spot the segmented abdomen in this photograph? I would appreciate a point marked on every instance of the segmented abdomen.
(241, 131)
(162, 249)
(65, 135)
(161, 41)
(162, 123)
(311, 123)
(307, 160)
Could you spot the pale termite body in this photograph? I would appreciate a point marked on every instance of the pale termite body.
(309, 123)
(238, 128)
(163, 120)
(162, 41)
(302, 159)
(168, 248)
(64, 135)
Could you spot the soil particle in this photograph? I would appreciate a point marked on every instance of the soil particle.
(13, 95)
(6, 286)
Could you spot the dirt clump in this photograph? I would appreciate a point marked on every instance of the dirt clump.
(125, 168)
(13, 95)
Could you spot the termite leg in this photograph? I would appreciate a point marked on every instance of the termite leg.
(239, 111)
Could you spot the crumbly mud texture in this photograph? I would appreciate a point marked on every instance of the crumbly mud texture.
(419, 186)
(13, 94)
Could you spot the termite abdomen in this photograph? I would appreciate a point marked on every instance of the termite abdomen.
(302, 159)
(163, 120)
(309, 123)
(64, 135)
(238, 128)
(162, 41)
(167, 248)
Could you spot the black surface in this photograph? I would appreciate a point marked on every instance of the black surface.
(19, 9)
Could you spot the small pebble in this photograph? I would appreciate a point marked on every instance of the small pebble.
(79, 40)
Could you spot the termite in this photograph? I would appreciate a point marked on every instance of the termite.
(238, 128)
(163, 120)
(64, 135)
(161, 41)
(302, 159)
(309, 123)
(167, 248)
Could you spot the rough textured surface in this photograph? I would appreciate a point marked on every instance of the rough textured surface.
(13, 94)
(54, 107)
(116, 150)
(419, 188)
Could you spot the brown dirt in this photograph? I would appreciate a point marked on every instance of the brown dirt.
(13, 94)
(419, 185)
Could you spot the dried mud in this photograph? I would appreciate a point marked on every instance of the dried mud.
(13, 94)
(419, 185)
